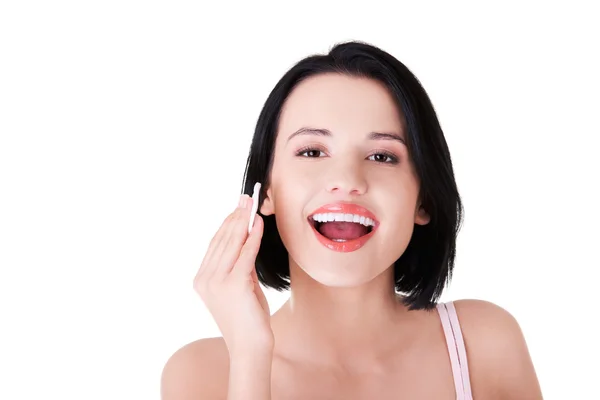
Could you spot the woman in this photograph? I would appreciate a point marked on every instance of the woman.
(358, 217)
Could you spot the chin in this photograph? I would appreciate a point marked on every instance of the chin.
(344, 276)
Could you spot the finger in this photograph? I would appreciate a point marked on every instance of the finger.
(217, 243)
(207, 266)
(222, 252)
(237, 235)
(247, 258)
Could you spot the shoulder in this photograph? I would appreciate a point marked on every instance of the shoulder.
(489, 327)
(499, 362)
(197, 370)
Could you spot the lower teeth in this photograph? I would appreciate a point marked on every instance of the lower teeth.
(339, 240)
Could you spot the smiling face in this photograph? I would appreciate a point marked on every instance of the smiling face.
(341, 145)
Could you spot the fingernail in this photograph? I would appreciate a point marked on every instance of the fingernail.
(248, 202)
(241, 203)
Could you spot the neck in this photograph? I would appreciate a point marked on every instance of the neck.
(339, 326)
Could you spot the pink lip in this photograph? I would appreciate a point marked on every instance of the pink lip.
(346, 208)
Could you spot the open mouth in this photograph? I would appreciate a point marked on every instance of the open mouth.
(343, 232)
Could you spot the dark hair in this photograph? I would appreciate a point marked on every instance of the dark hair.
(427, 263)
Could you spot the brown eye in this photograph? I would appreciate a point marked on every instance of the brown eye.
(384, 158)
(310, 153)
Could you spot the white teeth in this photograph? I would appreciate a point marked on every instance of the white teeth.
(329, 217)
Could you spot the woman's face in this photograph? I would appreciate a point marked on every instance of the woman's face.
(341, 142)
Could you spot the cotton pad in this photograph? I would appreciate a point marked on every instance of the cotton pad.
(254, 205)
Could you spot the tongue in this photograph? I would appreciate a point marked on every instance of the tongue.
(342, 230)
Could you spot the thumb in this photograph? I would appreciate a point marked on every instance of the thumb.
(262, 299)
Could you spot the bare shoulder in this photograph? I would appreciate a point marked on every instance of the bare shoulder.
(499, 362)
(197, 370)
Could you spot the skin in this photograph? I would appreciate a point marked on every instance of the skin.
(344, 333)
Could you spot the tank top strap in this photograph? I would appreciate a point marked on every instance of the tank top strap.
(456, 350)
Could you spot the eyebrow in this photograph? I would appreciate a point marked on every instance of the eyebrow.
(327, 132)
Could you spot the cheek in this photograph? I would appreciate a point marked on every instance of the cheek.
(289, 215)
(301, 174)
(288, 195)
(290, 182)
(399, 217)
(397, 230)
(290, 198)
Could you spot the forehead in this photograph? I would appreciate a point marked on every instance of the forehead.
(340, 103)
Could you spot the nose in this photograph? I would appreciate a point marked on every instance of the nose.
(345, 178)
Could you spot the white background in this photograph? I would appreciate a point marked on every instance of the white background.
(124, 133)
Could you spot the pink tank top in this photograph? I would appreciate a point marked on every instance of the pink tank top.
(456, 350)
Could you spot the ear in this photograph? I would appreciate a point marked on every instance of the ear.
(267, 207)
(421, 216)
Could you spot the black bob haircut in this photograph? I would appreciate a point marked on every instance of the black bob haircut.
(425, 267)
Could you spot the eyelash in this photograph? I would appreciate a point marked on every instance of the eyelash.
(394, 159)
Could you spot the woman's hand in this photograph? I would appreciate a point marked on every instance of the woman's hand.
(228, 285)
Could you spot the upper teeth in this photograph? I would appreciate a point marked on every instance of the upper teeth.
(330, 217)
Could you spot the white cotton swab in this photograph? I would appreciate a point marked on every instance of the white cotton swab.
(254, 205)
